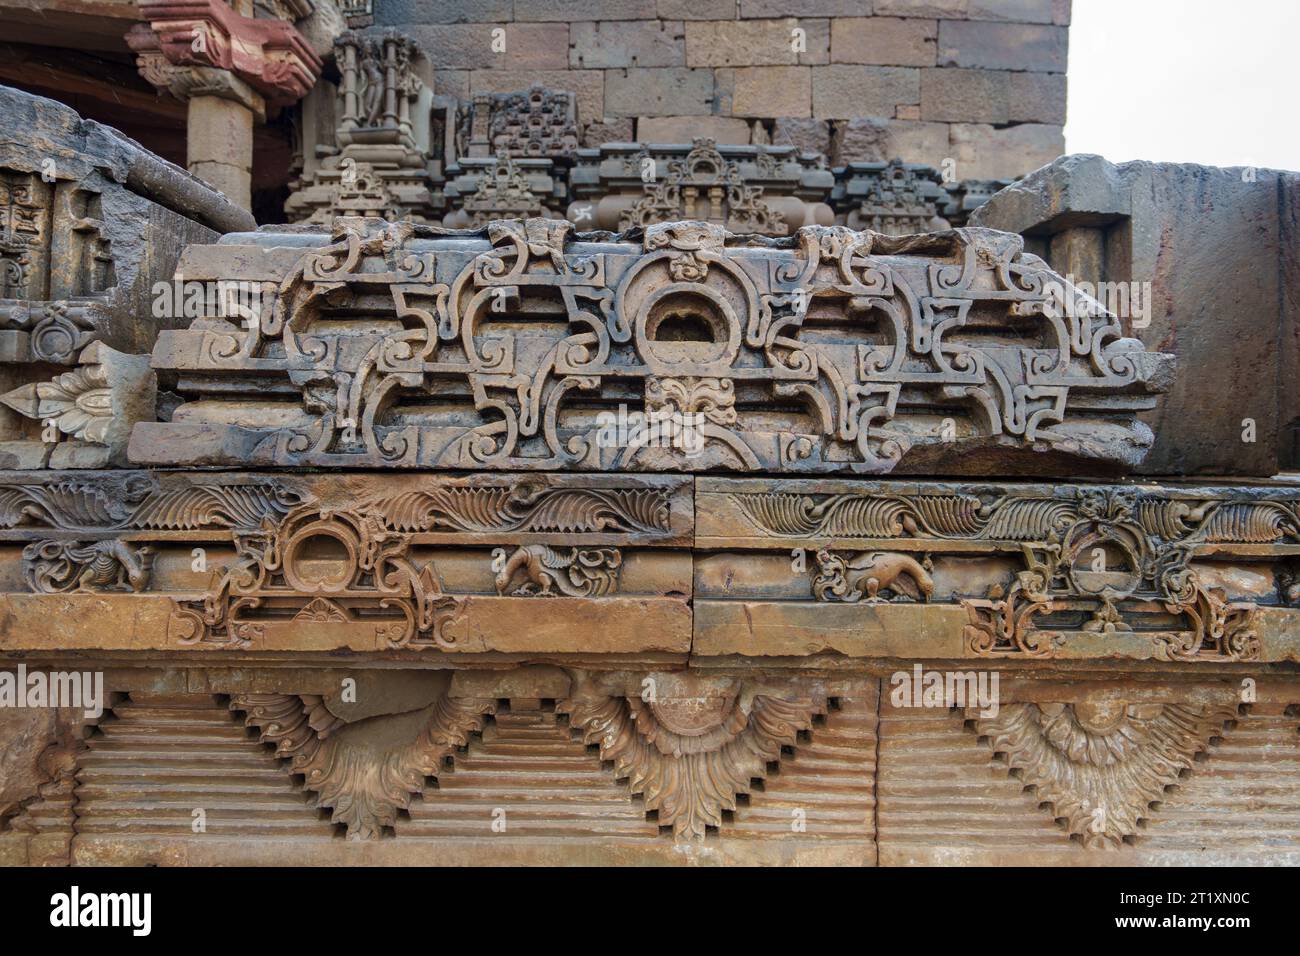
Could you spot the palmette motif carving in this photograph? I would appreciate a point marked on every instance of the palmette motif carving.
(367, 770)
(1101, 765)
(865, 342)
(687, 750)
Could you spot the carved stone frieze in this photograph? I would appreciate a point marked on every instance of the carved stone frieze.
(881, 353)
(536, 123)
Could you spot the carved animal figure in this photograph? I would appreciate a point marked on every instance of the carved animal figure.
(536, 569)
(868, 573)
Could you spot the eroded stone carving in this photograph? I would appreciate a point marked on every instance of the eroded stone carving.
(540, 570)
(865, 575)
(893, 198)
(869, 342)
(57, 566)
(1102, 764)
(692, 745)
(771, 191)
(367, 770)
(321, 566)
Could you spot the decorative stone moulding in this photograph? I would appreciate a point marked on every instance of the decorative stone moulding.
(481, 190)
(894, 198)
(767, 190)
(270, 55)
(713, 568)
(523, 347)
(536, 123)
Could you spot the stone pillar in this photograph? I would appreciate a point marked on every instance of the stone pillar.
(219, 146)
(228, 66)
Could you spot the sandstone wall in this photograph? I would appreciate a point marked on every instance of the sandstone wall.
(978, 82)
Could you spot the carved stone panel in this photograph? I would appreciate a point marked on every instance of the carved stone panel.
(526, 348)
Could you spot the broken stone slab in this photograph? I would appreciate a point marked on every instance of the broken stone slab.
(1201, 262)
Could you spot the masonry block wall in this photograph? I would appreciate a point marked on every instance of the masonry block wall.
(977, 82)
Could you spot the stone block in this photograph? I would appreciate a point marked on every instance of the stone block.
(804, 8)
(884, 41)
(528, 46)
(626, 43)
(696, 9)
(621, 130)
(1017, 11)
(1037, 98)
(767, 90)
(570, 11)
(966, 96)
(946, 9)
(399, 12)
(879, 139)
(755, 42)
(805, 133)
(684, 129)
(1203, 246)
(989, 152)
(662, 91)
(1002, 46)
(844, 92)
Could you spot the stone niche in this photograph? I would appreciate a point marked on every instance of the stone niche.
(367, 146)
(1204, 259)
(765, 190)
(89, 223)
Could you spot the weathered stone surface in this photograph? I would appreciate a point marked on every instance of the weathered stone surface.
(882, 139)
(528, 46)
(884, 41)
(626, 43)
(966, 96)
(1002, 46)
(730, 130)
(668, 91)
(756, 42)
(1037, 98)
(587, 86)
(842, 92)
(1197, 240)
(763, 90)
(803, 134)
(983, 151)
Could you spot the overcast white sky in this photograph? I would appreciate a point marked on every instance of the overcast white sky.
(1198, 81)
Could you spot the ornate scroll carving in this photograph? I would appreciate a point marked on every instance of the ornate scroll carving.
(364, 771)
(321, 566)
(543, 571)
(1108, 559)
(835, 352)
(694, 745)
(136, 502)
(1101, 765)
